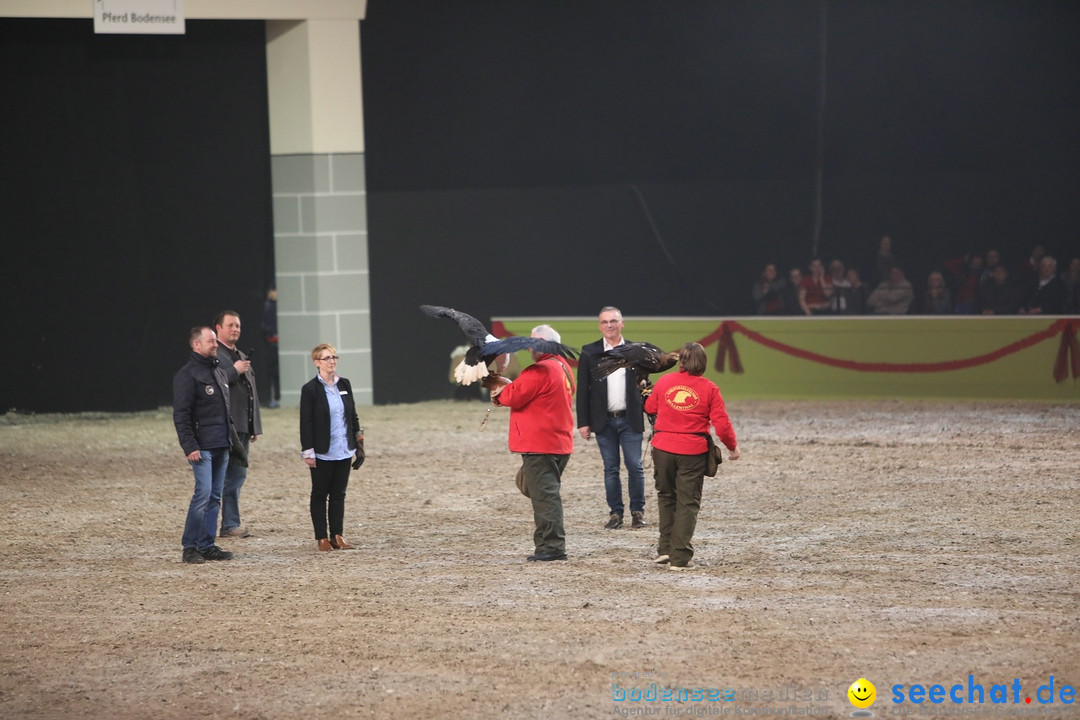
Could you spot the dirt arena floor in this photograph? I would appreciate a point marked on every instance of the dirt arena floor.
(904, 542)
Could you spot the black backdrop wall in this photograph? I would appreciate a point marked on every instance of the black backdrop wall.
(551, 158)
(136, 192)
(525, 158)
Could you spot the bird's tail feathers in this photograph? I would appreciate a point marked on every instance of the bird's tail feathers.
(468, 374)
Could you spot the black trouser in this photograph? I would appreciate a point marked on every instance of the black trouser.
(543, 476)
(679, 479)
(329, 478)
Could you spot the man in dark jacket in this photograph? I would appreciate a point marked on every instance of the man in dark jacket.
(998, 295)
(1046, 294)
(610, 409)
(204, 429)
(244, 407)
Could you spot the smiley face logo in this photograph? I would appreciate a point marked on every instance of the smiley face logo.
(862, 693)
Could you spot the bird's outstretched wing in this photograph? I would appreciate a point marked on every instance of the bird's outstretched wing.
(485, 347)
(641, 357)
(493, 349)
(474, 330)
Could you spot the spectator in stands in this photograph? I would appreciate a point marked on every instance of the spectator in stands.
(767, 292)
(1000, 296)
(892, 296)
(789, 295)
(815, 290)
(1045, 295)
(993, 259)
(1029, 269)
(1070, 277)
(856, 296)
(838, 303)
(882, 261)
(966, 273)
(937, 300)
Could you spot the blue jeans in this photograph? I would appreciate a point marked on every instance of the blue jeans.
(617, 434)
(235, 475)
(201, 525)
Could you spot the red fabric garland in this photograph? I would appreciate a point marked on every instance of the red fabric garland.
(1066, 363)
(963, 363)
(1069, 347)
(726, 348)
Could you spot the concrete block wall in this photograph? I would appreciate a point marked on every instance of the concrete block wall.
(321, 257)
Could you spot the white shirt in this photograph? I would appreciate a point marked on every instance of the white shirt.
(616, 385)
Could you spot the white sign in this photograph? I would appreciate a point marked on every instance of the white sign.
(139, 17)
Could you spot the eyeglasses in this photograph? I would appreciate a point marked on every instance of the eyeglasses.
(328, 358)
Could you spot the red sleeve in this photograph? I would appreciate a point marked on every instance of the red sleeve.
(721, 422)
(526, 387)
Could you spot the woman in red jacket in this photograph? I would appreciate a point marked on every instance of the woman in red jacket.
(685, 404)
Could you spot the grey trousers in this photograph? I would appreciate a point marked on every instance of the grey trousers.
(679, 479)
(543, 477)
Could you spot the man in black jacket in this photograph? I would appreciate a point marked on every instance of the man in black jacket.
(244, 407)
(204, 429)
(998, 295)
(611, 409)
(1046, 294)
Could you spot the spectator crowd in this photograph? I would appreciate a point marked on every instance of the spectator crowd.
(968, 285)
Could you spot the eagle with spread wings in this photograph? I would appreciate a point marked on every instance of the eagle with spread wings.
(642, 358)
(484, 347)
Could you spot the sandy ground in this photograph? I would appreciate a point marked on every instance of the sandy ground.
(904, 542)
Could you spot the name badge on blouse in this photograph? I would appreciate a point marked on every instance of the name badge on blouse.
(343, 392)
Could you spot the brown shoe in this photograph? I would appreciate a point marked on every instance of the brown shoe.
(325, 545)
(339, 543)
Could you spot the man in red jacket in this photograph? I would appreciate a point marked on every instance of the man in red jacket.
(542, 430)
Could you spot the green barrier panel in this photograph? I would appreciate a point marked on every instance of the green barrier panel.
(960, 357)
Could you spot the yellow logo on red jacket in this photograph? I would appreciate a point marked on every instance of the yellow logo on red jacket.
(681, 397)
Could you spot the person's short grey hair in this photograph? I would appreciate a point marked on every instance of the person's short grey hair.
(547, 332)
(610, 308)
